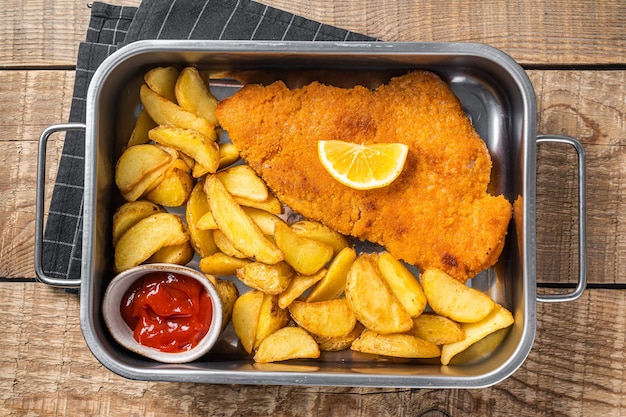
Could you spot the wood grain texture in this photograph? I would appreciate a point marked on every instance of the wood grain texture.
(34, 100)
(44, 33)
(575, 368)
(539, 32)
(564, 103)
(38, 33)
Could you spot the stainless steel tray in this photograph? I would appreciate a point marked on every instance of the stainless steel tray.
(496, 94)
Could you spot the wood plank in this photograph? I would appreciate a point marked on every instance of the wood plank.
(34, 100)
(576, 367)
(593, 111)
(533, 32)
(44, 33)
(47, 32)
(590, 106)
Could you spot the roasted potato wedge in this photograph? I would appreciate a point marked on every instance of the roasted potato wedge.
(334, 344)
(207, 222)
(139, 135)
(287, 343)
(238, 227)
(162, 80)
(174, 187)
(264, 219)
(269, 278)
(395, 345)
(305, 255)
(402, 283)
(372, 303)
(202, 149)
(228, 292)
(175, 254)
(298, 285)
(245, 318)
(225, 245)
(436, 329)
(229, 154)
(332, 318)
(271, 318)
(334, 282)
(138, 161)
(242, 181)
(193, 94)
(130, 213)
(148, 236)
(317, 231)
(498, 318)
(221, 264)
(197, 205)
(453, 299)
(166, 112)
(271, 205)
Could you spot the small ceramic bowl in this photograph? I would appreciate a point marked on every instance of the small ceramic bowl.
(124, 335)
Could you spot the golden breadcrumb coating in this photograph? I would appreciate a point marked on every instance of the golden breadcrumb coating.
(437, 213)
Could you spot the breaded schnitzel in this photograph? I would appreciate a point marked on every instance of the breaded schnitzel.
(437, 213)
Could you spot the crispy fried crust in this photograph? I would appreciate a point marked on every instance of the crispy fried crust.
(436, 214)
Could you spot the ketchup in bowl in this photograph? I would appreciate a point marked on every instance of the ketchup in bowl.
(167, 311)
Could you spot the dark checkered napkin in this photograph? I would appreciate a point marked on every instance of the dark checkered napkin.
(112, 26)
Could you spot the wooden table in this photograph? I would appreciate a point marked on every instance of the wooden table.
(575, 55)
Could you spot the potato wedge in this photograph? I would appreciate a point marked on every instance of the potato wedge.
(402, 283)
(332, 318)
(143, 124)
(287, 343)
(242, 181)
(197, 205)
(245, 317)
(395, 345)
(228, 292)
(298, 285)
(436, 329)
(372, 302)
(225, 245)
(238, 227)
(318, 231)
(162, 80)
(174, 188)
(221, 264)
(334, 344)
(166, 112)
(138, 161)
(203, 150)
(175, 254)
(271, 205)
(207, 222)
(264, 219)
(271, 318)
(193, 95)
(307, 256)
(130, 213)
(229, 154)
(453, 299)
(334, 282)
(146, 237)
(271, 279)
(498, 318)
(151, 179)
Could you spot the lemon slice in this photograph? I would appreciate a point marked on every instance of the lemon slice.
(362, 166)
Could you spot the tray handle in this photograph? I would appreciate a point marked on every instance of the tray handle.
(39, 207)
(582, 221)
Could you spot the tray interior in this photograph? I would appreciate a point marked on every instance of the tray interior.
(491, 97)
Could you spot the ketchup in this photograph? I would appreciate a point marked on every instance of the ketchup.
(167, 311)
